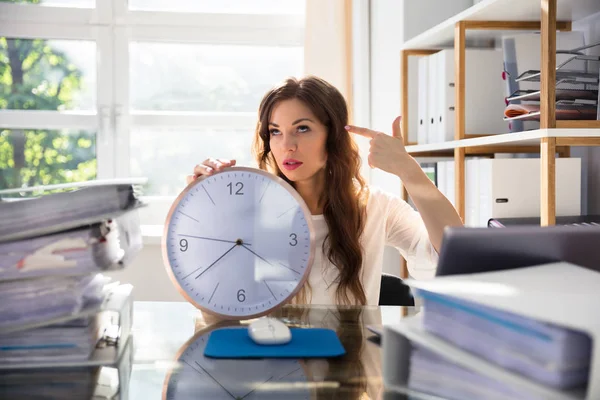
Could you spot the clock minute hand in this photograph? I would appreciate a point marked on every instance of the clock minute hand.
(217, 260)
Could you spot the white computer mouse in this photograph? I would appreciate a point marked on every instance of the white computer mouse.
(268, 331)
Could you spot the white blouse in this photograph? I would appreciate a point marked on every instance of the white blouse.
(389, 221)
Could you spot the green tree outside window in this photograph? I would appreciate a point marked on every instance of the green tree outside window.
(36, 76)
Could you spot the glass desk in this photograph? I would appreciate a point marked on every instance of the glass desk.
(163, 359)
(168, 363)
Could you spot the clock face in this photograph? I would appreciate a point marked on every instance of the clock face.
(238, 243)
(199, 377)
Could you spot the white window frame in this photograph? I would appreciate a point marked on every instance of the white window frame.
(113, 26)
(77, 28)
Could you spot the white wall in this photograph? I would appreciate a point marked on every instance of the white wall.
(148, 276)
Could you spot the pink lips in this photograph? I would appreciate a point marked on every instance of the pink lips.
(290, 164)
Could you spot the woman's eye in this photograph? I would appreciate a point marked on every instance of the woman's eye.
(303, 128)
(274, 132)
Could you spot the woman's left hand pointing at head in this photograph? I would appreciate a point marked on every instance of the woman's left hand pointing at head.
(385, 150)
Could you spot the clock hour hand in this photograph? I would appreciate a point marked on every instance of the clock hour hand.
(213, 239)
(211, 377)
(244, 246)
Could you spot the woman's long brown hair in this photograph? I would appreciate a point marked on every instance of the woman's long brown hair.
(345, 194)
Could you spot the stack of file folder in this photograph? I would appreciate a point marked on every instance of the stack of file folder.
(57, 310)
(528, 333)
(576, 90)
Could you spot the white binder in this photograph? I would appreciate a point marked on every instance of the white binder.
(445, 179)
(446, 93)
(432, 94)
(484, 109)
(450, 182)
(441, 177)
(472, 192)
(422, 113)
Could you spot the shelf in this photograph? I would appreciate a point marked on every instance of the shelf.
(442, 35)
(511, 142)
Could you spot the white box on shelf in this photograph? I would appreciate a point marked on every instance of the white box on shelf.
(507, 188)
(422, 112)
(484, 108)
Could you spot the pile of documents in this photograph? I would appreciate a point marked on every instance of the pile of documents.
(523, 333)
(56, 307)
(550, 354)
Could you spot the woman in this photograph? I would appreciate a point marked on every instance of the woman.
(303, 137)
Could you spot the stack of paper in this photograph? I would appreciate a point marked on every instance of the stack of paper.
(33, 301)
(430, 373)
(522, 333)
(56, 309)
(108, 381)
(101, 246)
(550, 354)
(90, 202)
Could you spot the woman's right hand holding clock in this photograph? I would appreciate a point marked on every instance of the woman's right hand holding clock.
(209, 167)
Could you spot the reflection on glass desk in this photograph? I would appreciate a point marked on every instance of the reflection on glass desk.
(108, 382)
(168, 340)
(169, 362)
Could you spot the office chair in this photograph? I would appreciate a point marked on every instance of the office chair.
(393, 292)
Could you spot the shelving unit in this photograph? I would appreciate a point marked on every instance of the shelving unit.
(478, 26)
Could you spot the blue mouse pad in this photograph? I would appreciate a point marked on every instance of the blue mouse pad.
(305, 343)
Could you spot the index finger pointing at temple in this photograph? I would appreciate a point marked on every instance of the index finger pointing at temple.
(361, 131)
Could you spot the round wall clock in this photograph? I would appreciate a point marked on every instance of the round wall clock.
(197, 376)
(238, 243)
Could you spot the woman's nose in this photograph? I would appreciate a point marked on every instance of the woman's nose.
(289, 142)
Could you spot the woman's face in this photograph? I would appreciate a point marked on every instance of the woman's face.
(297, 140)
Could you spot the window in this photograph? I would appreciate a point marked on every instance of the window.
(112, 88)
(206, 77)
(221, 6)
(58, 3)
(39, 74)
(151, 153)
